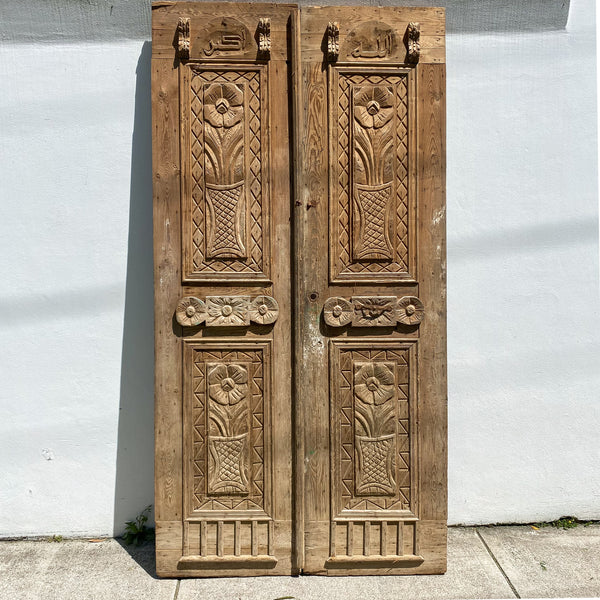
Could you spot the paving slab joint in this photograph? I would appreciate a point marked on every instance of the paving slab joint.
(510, 583)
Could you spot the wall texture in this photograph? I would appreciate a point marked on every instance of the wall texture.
(76, 402)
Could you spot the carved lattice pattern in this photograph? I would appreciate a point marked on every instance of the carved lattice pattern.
(254, 263)
(400, 497)
(341, 247)
(204, 362)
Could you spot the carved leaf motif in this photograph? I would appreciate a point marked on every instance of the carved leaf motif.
(413, 34)
(333, 41)
(264, 36)
(264, 310)
(337, 312)
(190, 311)
(410, 310)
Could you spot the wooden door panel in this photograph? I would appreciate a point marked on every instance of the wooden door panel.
(370, 291)
(340, 469)
(223, 289)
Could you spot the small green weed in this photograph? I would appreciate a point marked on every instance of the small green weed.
(563, 523)
(56, 538)
(544, 566)
(137, 532)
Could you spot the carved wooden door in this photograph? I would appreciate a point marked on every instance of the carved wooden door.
(328, 455)
(370, 327)
(223, 297)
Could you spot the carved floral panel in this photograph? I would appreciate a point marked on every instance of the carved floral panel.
(371, 436)
(229, 395)
(224, 184)
(369, 181)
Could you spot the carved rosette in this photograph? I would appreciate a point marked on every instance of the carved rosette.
(190, 311)
(225, 311)
(373, 311)
(333, 41)
(410, 310)
(337, 312)
(264, 310)
(227, 384)
(374, 383)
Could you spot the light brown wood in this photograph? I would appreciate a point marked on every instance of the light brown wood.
(299, 289)
(371, 291)
(223, 289)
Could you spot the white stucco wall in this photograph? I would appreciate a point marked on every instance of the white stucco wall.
(76, 398)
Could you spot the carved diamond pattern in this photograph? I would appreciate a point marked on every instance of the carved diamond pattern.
(401, 498)
(201, 499)
(254, 263)
(376, 477)
(344, 264)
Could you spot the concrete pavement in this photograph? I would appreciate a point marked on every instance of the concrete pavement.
(483, 562)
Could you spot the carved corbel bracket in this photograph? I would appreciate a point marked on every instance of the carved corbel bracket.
(226, 311)
(183, 38)
(333, 41)
(373, 311)
(413, 34)
(264, 37)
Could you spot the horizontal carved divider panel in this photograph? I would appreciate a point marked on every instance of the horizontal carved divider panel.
(373, 311)
(226, 311)
(371, 197)
(225, 192)
(372, 417)
(226, 427)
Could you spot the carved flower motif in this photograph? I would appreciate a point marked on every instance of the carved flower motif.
(337, 312)
(227, 310)
(410, 310)
(264, 310)
(223, 104)
(228, 384)
(374, 383)
(373, 106)
(190, 311)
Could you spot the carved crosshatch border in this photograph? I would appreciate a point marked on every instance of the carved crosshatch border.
(373, 437)
(244, 255)
(227, 427)
(392, 257)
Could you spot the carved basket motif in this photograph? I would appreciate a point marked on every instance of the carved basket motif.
(227, 474)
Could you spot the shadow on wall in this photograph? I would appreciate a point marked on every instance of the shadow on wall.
(135, 443)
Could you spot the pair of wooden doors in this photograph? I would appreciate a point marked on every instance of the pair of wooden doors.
(298, 159)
